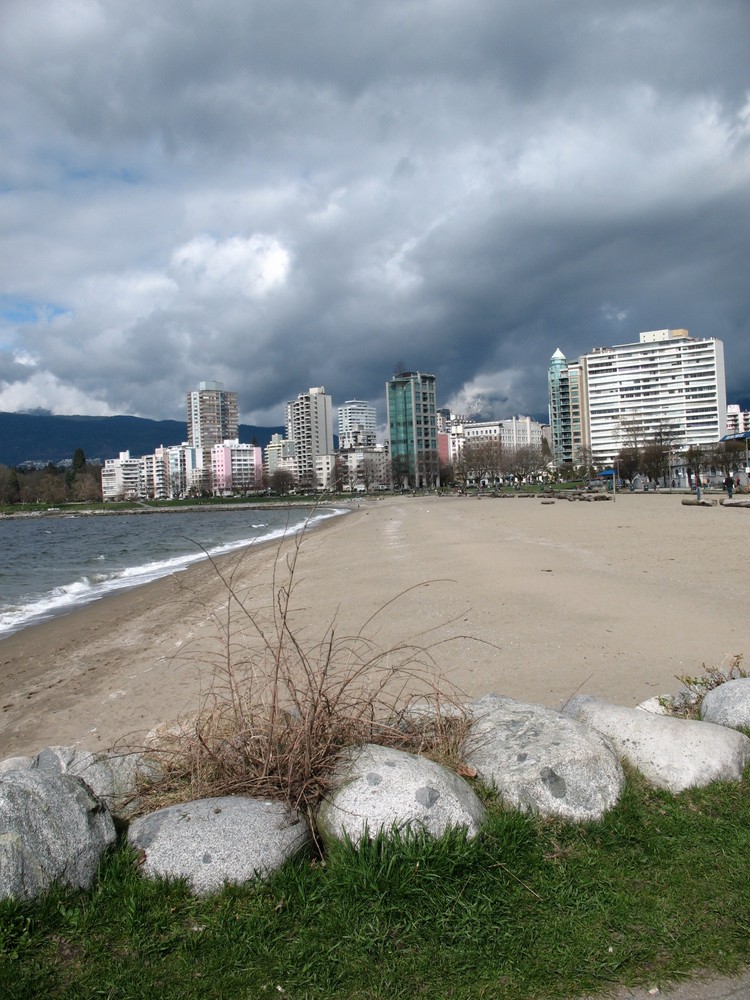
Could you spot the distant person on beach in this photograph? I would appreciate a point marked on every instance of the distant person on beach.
(729, 486)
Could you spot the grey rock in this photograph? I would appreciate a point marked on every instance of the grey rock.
(540, 761)
(15, 764)
(377, 788)
(53, 830)
(671, 753)
(728, 704)
(113, 777)
(658, 705)
(212, 841)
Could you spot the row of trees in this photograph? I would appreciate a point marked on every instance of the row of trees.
(488, 461)
(80, 482)
(657, 457)
(656, 460)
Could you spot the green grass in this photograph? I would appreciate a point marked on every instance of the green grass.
(659, 888)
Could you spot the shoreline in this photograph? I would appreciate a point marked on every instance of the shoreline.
(84, 511)
(92, 675)
(534, 601)
(69, 595)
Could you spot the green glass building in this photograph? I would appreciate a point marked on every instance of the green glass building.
(566, 409)
(412, 429)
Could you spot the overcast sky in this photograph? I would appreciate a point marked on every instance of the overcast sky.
(281, 195)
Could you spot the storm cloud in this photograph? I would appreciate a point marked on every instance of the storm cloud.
(315, 192)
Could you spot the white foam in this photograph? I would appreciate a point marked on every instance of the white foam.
(40, 607)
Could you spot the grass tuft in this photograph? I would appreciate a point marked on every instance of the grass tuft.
(285, 704)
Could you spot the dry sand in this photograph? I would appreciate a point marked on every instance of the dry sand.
(539, 601)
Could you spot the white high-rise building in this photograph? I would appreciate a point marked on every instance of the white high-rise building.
(357, 425)
(668, 384)
(668, 387)
(212, 416)
(309, 423)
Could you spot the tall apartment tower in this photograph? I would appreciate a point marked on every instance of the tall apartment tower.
(357, 425)
(412, 429)
(212, 416)
(567, 409)
(667, 385)
(309, 423)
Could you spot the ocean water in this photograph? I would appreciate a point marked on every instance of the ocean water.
(52, 565)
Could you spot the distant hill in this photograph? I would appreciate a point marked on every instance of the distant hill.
(42, 437)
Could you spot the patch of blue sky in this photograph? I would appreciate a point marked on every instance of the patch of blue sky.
(20, 312)
(81, 171)
(96, 175)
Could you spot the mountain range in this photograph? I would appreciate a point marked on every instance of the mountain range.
(43, 437)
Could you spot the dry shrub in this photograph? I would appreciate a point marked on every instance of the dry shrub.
(687, 703)
(283, 707)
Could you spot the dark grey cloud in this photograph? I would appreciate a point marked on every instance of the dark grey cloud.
(312, 192)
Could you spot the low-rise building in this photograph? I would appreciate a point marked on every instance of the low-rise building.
(365, 468)
(122, 478)
(235, 467)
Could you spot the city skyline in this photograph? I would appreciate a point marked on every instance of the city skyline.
(292, 195)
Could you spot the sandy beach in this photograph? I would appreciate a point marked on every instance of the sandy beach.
(536, 601)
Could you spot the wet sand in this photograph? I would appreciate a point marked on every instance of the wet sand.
(536, 601)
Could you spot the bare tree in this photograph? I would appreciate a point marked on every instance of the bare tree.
(525, 461)
(281, 481)
(656, 454)
(400, 471)
(694, 460)
(479, 460)
(368, 472)
(728, 456)
(586, 462)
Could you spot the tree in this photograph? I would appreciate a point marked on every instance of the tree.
(9, 485)
(87, 487)
(526, 461)
(657, 451)
(340, 473)
(728, 456)
(655, 461)
(281, 481)
(401, 471)
(629, 462)
(446, 475)
(79, 461)
(368, 472)
(51, 486)
(629, 459)
(480, 460)
(694, 459)
(586, 462)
